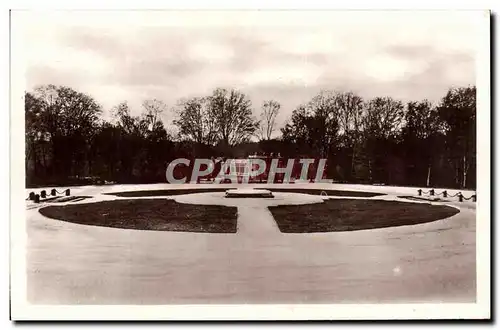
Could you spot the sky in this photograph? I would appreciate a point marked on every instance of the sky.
(287, 56)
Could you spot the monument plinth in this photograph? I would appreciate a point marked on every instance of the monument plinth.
(248, 193)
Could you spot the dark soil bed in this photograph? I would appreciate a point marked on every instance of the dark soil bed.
(344, 193)
(428, 199)
(148, 214)
(67, 199)
(174, 192)
(164, 192)
(355, 214)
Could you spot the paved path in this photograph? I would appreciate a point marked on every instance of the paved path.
(70, 263)
(256, 222)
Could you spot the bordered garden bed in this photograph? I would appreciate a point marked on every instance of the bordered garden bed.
(148, 214)
(355, 214)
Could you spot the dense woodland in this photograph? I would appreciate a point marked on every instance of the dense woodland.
(381, 140)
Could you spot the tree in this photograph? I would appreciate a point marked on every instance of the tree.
(159, 152)
(380, 140)
(106, 151)
(153, 110)
(349, 108)
(422, 129)
(382, 124)
(296, 131)
(267, 124)
(383, 117)
(350, 113)
(458, 111)
(133, 133)
(232, 115)
(130, 151)
(131, 125)
(69, 119)
(325, 123)
(195, 121)
(35, 132)
(314, 127)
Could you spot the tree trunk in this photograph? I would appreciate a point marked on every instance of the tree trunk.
(35, 159)
(429, 175)
(44, 159)
(464, 180)
(370, 176)
(89, 167)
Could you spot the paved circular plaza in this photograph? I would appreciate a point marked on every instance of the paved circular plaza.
(258, 260)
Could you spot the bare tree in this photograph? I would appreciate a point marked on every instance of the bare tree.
(325, 124)
(121, 114)
(153, 109)
(350, 110)
(315, 125)
(383, 117)
(232, 115)
(267, 124)
(195, 121)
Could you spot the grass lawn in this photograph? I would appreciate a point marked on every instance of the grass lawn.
(355, 214)
(148, 214)
(174, 192)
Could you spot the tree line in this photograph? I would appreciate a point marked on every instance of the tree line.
(380, 140)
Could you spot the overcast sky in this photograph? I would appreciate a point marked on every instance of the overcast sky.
(285, 56)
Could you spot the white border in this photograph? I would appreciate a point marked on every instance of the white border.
(21, 310)
(483, 228)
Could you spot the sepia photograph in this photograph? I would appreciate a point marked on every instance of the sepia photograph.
(250, 165)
